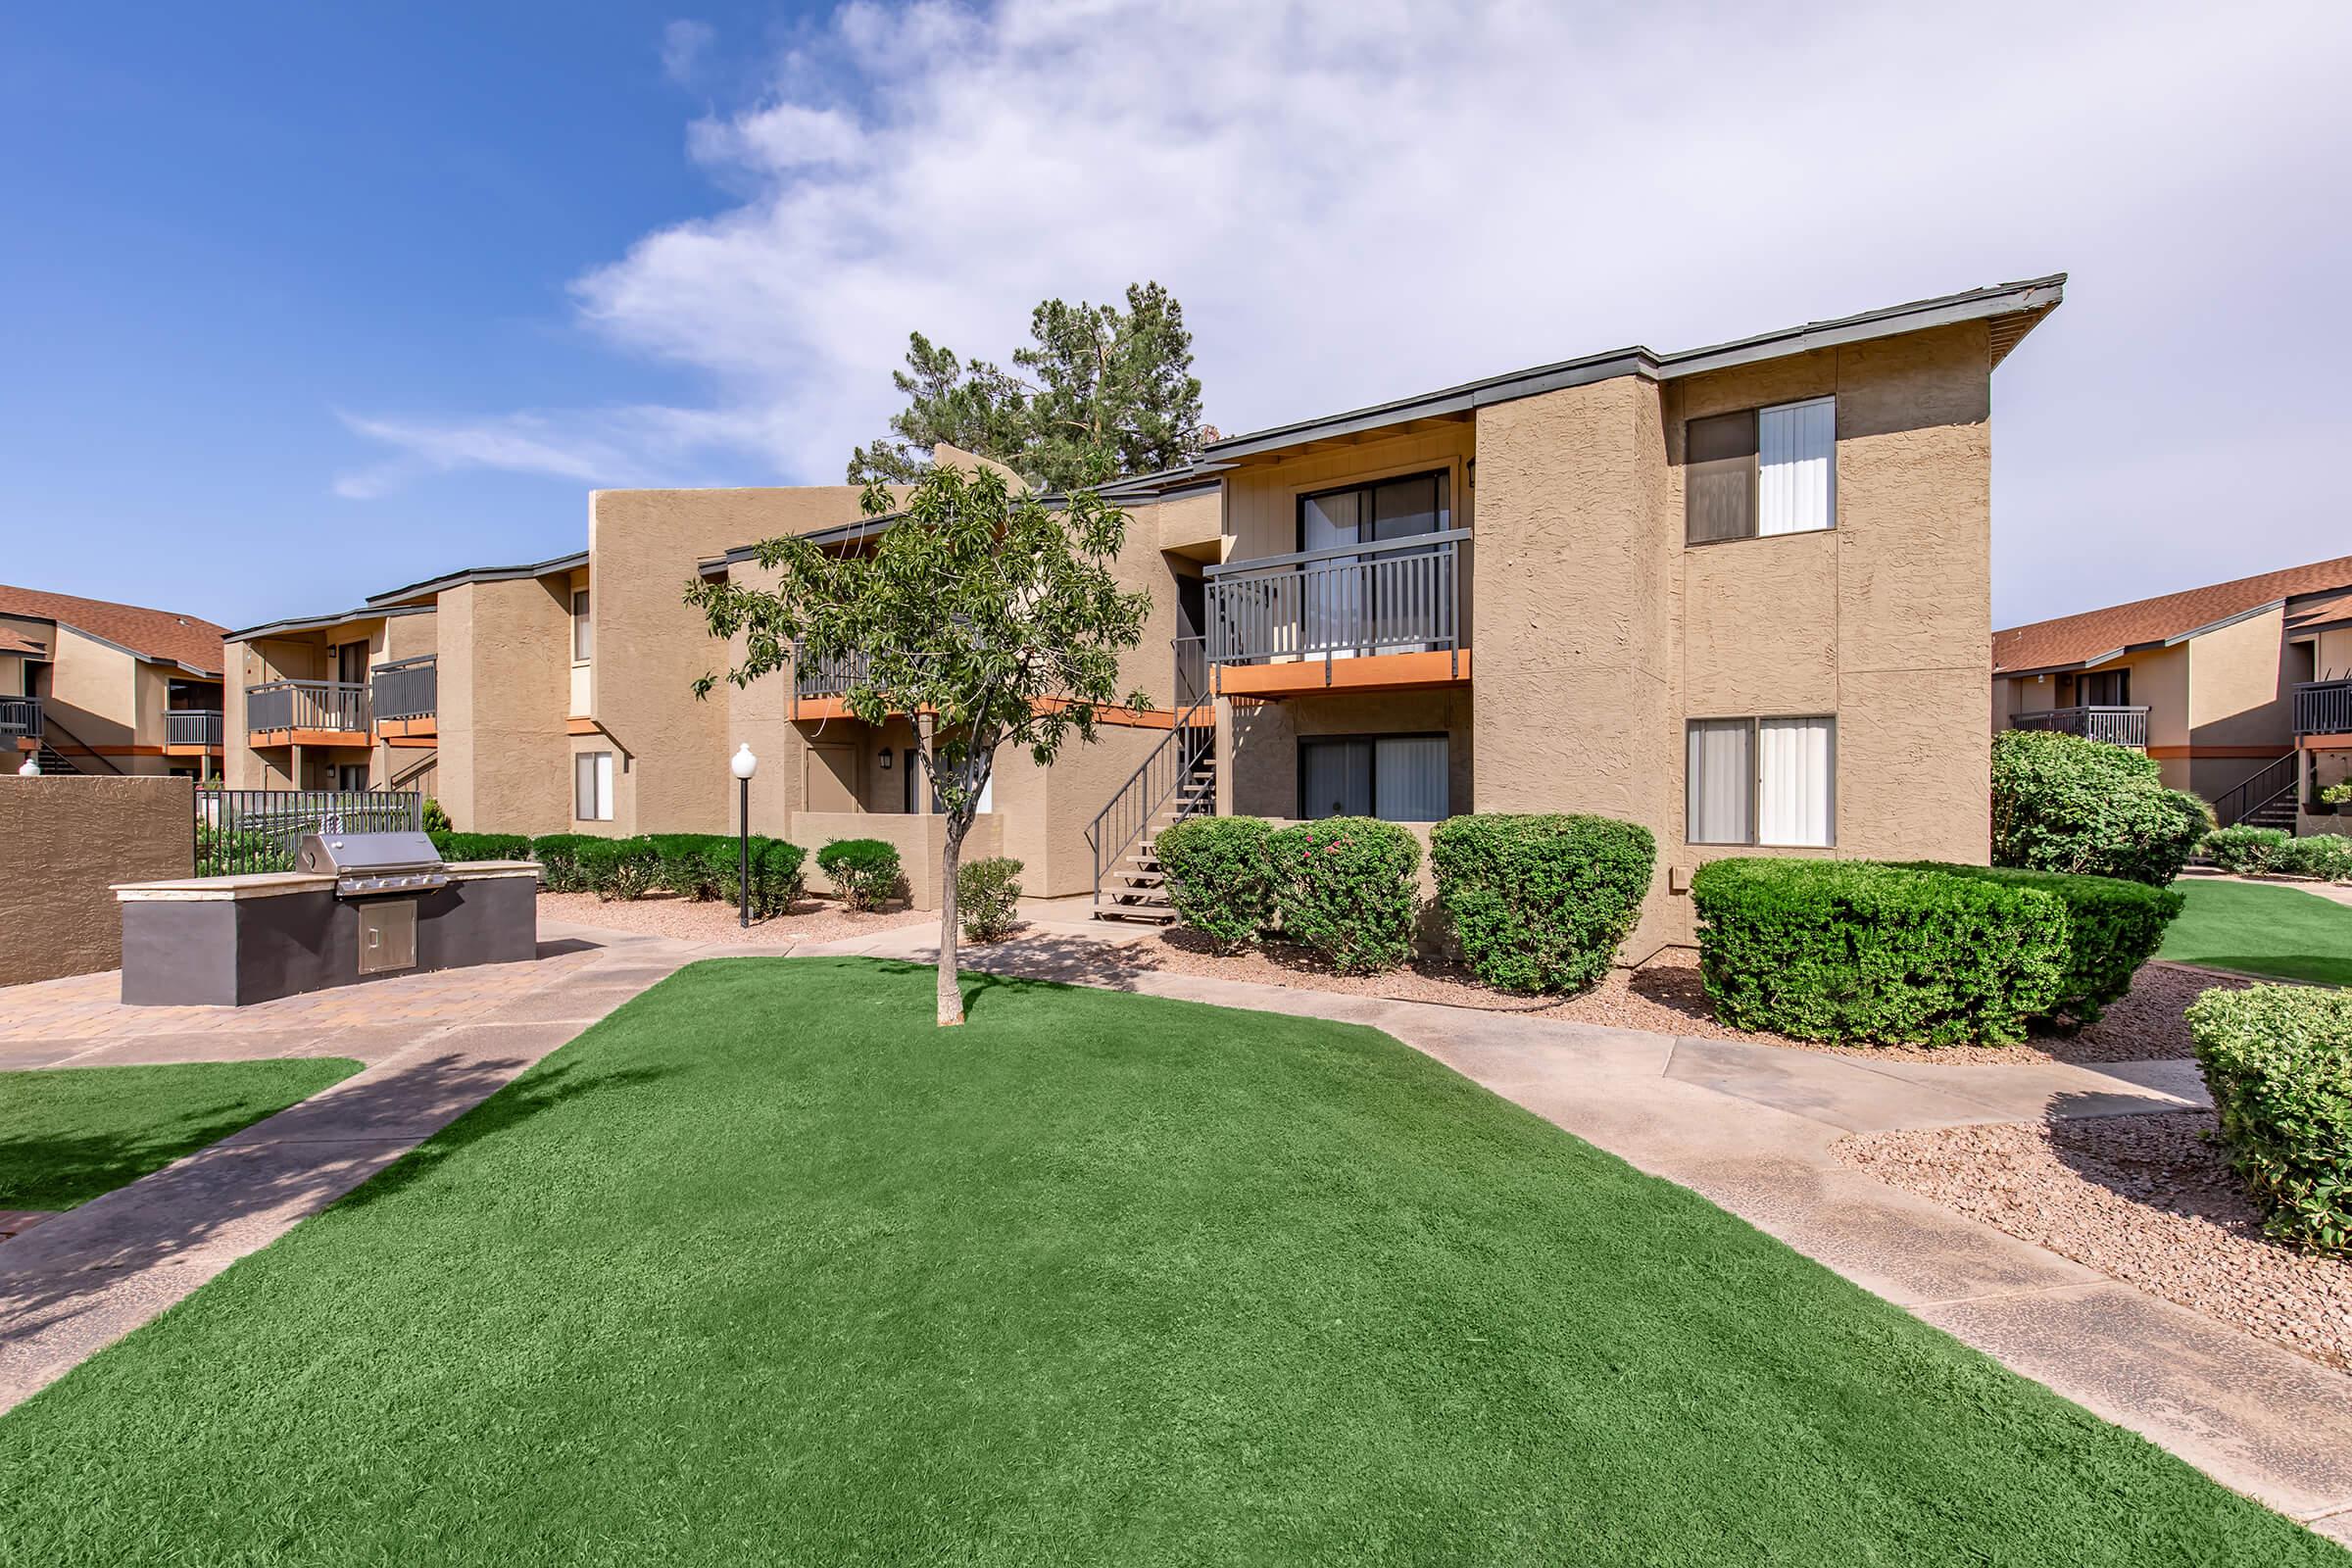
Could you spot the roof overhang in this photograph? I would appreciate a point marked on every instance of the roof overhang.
(432, 586)
(349, 617)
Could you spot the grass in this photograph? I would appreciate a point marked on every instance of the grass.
(67, 1134)
(2278, 931)
(766, 1268)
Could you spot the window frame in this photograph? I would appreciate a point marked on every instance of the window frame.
(1755, 472)
(1364, 488)
(1756, 838)
(583, 635)
(1373, 738)
(600, 776)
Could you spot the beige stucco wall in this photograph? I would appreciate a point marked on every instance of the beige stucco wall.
(1261, 498)
(919, 840)
(63, 843)
(93, 690)
(1262, 745)
(503, 658)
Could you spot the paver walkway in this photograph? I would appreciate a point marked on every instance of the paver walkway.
(1751, 1128)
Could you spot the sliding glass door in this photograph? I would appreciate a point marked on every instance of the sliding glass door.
(1397, 778)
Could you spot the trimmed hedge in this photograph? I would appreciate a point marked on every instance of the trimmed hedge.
(620, 869)
(1854, 950)
(2112, 928)
(778, 881)
(1220, 876)
(2322, 855)
(1541, 902)
(558, 857)
(692, 863)
(2278, 1061)
(2246, 850)
(865, 872)
(481, 846)
(987, 893)
(1346, 887)
(2064, 803)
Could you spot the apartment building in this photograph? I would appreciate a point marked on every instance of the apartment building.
(2240, 690)
(91, 686)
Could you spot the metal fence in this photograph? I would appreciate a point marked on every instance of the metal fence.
(2117, 726)
(407, 688)
(1391, 596)
(192, 726)
(337, 706)
(21, 716)
(2324, 707)
(244, 831)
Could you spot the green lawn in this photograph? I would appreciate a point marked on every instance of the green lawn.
(2274, 930)
(764, 1268)
(67, 1134)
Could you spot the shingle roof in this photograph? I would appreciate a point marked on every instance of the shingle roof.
(13, 640)
(2096, 633)
(163, 635)
(2322, 613)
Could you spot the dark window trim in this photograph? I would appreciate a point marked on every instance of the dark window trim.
(1364, 508)
(1755, 779)
(1755, 470)
(1375, 736)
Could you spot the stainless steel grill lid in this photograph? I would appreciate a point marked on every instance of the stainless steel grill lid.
(372, 863)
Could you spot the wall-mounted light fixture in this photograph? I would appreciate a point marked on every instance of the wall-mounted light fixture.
(885, 758)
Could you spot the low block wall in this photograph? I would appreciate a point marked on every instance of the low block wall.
(63, 843)
(919, 841)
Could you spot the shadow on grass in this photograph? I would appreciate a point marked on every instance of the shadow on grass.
(61, 1173)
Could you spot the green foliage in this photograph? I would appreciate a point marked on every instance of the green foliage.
(1346, 887)
(558, 857)
(223, 851)
(692, 863)
(620, 869)
(1220, 876)
(2278, 1061)
(2112, 928)
(2339, 794)
(2244, 850)
(436, 820)
(1107, 392)
(778, 882)
(864, 872)
(987, 894)
(1541, 902)
(1854, 951)
(2064, 803)
(2328, 855)
(481, 846)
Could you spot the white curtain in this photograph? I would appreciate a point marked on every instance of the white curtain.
(1797, 447)
(1336, 779)
(1409, 775)
(1332, 590)
(1799, 774)
(1722, 772)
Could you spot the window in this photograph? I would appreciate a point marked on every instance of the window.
(592, 787)
(1399, 778)
(351, 777)
(1761, 473)
(1343, 612)
(2109, 688)
(583, 638)
(1762, 781)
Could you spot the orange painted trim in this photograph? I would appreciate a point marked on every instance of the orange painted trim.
(1375, 673)
(1130, 718)
(582, 727)
(2169, 753)
(2326, 743)
(412, 743)
(77, 749)
(820, 709)
(192, 751)
(309, 737)
(390, 729)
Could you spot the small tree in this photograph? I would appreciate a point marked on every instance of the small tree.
(2060, 803)
(991, 616)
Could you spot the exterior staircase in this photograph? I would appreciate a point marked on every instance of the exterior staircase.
(1178, 782)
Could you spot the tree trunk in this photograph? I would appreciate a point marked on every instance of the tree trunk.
(950, 995)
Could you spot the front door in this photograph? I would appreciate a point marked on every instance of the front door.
(832, 779)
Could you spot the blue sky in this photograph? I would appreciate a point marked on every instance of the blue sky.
(307, 301)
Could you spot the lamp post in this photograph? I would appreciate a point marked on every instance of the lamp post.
(742, 765)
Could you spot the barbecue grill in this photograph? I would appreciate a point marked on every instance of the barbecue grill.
(364, 863)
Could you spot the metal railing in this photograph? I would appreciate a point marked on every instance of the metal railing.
(826, 677)
(407, 688)
(1394, 596)
(336, 706)
(2324, 707)
(2117, 726)
(2272, 781)
(244, 831)
(1165, 784)
(192, 726)
(21, 716)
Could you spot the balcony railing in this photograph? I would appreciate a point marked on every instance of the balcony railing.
(338, 706)
(408, 688)
(825, 677)
(2324, 707)
(20, 717)
(1396, 596)
(2117, 726)
(192, 726)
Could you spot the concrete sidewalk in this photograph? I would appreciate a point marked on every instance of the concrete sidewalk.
(1751, 1127)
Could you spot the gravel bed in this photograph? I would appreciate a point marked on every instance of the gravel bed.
(1665, 995)
(2148, 1200)
(663, 915)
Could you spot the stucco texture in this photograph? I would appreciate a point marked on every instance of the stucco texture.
(66, 842)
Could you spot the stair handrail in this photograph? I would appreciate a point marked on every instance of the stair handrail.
(2226, 814)
(49, 724)
(1132, 805)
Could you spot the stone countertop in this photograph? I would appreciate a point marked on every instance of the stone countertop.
(271, 884)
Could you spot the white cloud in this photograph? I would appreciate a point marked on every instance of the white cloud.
(602, 448)
(1357, 200)
(683, 45)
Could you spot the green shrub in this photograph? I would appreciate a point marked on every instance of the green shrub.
(1541, 902)
(558, 857)
(864, 872)
(2337, 793)
(2323, 855)
(2245, 850)
(620, 869)
(481, 846)
(1220, 876)
(987, 893)
(2278, 1061)
(1346, 887)
(2064, 803)
(2112, 928)
(1854, 951)
(223, 851)
(776, 880)
(436, 820)
(692, 863)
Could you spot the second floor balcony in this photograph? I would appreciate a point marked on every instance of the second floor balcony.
(20, 718)
(2324, 707)
(189, 731)
(820, 685)
(2116, 726)
(307, 713)
(1384, 614)
(406, 697)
